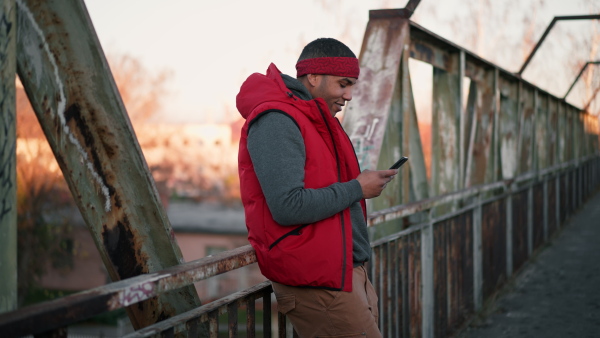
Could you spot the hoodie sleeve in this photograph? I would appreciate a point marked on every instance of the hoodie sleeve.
(277, 151)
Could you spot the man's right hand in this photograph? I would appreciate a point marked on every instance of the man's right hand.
(373, 182)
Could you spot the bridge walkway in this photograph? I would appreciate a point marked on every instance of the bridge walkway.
(557, 293)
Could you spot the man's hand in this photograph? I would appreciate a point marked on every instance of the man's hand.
(373, 182)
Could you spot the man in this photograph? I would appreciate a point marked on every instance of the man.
(303, 193)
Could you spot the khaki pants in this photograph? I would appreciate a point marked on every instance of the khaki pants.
(324, 313)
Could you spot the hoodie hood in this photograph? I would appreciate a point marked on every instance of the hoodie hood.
(271, 87)
(296, 87)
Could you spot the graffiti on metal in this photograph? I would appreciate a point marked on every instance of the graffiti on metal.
(135, 294)
(368, 113)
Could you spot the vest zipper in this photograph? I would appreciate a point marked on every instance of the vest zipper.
(294, 232)
(337, 161)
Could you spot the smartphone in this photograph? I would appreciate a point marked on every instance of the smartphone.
(399, 163)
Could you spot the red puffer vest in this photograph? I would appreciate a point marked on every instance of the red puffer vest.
(313, 255)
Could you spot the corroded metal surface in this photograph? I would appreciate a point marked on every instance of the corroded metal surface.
(414, 281)
(442, 262)
(460, 272)
(64, 311)
(480, 127)
(564, 197)
(538, 215)
(526, 129)
(445, 131)
(541, 132)
(509, 127)
(552, 130)
(69, 85)
(493, 235)
(210, 313)
(552, 206)
(396, 274)
(519, 229)
(8, 164)
(368, 114)
(426, 52)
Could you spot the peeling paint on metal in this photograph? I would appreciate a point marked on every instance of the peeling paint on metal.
(60, 109)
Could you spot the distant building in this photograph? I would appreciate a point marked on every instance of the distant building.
(201, 230)
(193, 160)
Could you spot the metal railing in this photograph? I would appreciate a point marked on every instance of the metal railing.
(435, 275)
(430, 278)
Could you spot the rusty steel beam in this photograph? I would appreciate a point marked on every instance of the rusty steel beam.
(69, 84)
(377, 111)
(431, 48)
(579, 75)
(404, 210)
(554, 20)
(64, 311)
(445, 139)
(462, 142)
(481, 118)
(543, 133)
(404, 13)
(8, 141)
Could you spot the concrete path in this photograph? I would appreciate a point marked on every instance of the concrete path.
(557, 294)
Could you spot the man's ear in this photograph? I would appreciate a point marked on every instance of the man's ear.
(313, 79)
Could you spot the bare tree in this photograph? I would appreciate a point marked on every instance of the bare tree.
(143, 91)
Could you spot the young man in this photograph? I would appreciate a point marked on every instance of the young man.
(303, 193)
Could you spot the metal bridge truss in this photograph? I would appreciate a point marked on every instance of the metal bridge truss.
(507, 170)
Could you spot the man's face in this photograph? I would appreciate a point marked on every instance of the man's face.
(335, 90)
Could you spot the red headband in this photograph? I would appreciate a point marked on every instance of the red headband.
(337, 66)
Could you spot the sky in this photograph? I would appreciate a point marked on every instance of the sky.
(210, 47)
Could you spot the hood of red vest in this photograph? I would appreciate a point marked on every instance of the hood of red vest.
(259, 88)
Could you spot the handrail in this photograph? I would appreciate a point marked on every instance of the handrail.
(403, 210)
(83, 305)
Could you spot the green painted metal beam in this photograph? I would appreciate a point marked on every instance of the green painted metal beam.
(69, 84)
(8, 141)
(445, 132)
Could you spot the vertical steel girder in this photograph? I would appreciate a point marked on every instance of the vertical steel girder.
(445, 139)
(68, 82)
(370, 119)
(8, 140)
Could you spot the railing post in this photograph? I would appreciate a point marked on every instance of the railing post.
(462, 133)
(509, 233)
(530, 219)
(557, 194)
(8, 141)
(428, 292)
(496, 153)
(477, 256)
(535, 152)
(545, 206)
